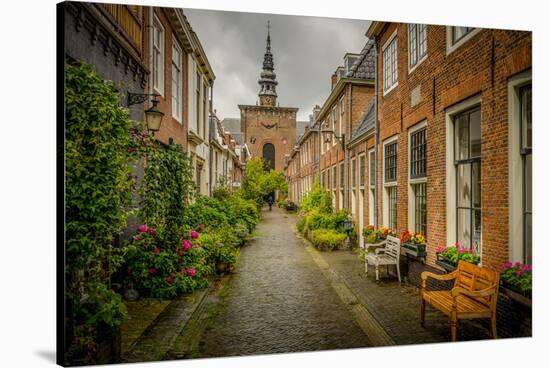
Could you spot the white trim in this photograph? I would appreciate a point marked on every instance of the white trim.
(371, 194)
(411, 182)
(160, 88)
(386, 44)
(463, 40)
(178, 116)
(515, 182)
(450, 171)
(384, 144)
(418, 62)
(385, 197)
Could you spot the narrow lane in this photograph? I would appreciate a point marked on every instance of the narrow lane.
(279, 301)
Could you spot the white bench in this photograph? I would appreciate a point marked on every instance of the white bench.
(389, 255)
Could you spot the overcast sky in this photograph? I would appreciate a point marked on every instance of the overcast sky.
(306, 51)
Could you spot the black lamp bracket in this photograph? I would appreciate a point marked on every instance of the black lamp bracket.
(137, 98)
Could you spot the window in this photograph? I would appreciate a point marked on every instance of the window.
(467, 126)
(342, 177)
(205, 110)
(417, 179)
(334, 117)
(176, 80)
(341, 122)
(420, 211)
(334, 177)
(353, 173)
(198, 102)
(418, 154)
(390, 162)
(158, 56)
(372, 177)
(417, 43)
(527, 172)
(362, 171)
(392, 206)
(389, 55)
(459, 33)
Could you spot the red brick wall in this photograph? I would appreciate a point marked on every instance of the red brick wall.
(481, 66)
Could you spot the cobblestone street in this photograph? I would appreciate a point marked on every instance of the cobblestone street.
(278, 300)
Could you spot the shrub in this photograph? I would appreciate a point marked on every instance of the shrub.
(244, 211)
(165, 271)
(209, 212)
(318, 198)
(457, 252)
(219, 248)
(327, 239)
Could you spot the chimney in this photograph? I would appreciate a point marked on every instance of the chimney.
(333, 80)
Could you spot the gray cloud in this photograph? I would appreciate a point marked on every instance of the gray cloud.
(306, 50)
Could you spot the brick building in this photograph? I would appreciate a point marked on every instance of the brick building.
(269, 130)
(455, 136)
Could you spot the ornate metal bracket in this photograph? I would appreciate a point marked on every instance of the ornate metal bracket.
(137, 98)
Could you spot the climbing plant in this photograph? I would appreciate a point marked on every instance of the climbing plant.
(166, 189)
(99, 151)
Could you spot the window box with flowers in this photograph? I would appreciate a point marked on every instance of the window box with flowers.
(414, 244)
(376, 238)
(516, 281)
(448, 257)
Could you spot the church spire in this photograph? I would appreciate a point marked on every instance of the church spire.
(268, 94)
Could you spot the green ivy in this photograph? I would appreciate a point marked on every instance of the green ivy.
(98, 191)
(166, 189)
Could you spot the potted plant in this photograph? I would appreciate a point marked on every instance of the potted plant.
(448, 257)
(516, 281)
(414, 244)
(376, 238)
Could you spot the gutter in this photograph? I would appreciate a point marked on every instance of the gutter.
(346, 152)
(376, 134)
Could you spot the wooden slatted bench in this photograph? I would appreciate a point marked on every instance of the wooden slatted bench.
(474, 295)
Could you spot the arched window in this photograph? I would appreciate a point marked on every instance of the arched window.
(269, 155)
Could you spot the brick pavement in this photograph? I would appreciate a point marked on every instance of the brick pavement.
(279, 301)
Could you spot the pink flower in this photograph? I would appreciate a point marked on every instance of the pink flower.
(201, 226)
(194, 234)
(192, 272)
(137, 237)
(146, 244)
(505, 265)
(170, 279)
(181, 253)
(152, 270)
(457, 244)
(517, 264)
(439, 250)
(186, 244)
(156, 251)
(152, 231)
(142, 228)
(183, 271)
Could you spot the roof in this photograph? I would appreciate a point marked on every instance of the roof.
(239, 137)
(363, 67)
(366, 123)
(232, 125)
(301, 127)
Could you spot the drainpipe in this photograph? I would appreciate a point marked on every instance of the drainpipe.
(149, 53)
(346, 152)
(376, 134)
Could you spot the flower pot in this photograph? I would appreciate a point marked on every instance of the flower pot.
(445, 263)
(415, 250)
(222, 267)
(516, 294)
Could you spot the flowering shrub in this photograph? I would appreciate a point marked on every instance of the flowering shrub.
(457, 252)
(517, 275)
(218, 249)
(367, 231)
(165, 270)
(327, 239)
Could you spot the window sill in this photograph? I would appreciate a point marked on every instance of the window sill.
(386, 92)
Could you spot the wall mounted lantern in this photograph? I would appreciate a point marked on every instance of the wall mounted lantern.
(153, 116)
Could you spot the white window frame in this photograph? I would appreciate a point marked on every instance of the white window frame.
(452, 47)
(388, 89)
(179, 70)
(419, 61)
(515, 177)
(341, 117)
(412, 182)
(334, 116)
(371, 189)
(450, 169)
(157, 26)
(385, 196)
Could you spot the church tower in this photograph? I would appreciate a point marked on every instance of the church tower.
(267, 82)
(269, 130)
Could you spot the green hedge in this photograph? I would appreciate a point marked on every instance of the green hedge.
(327, 239)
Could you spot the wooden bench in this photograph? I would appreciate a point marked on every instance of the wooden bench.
(474, 295)
(389, 255)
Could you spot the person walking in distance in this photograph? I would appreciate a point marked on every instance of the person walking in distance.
(270, 202)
